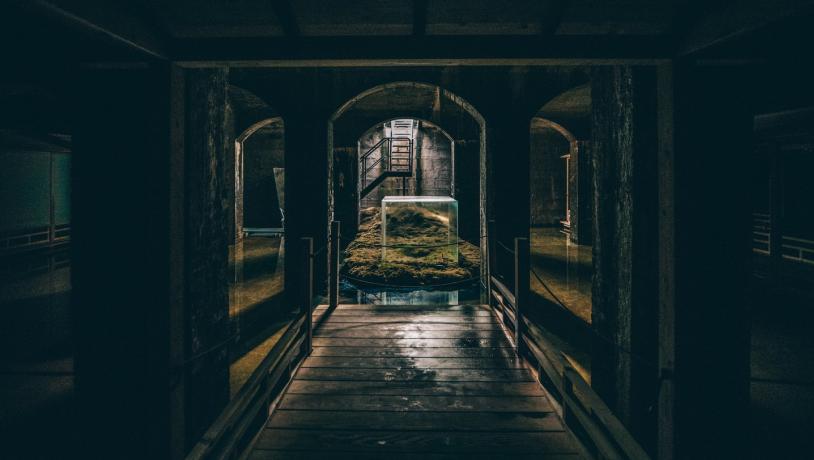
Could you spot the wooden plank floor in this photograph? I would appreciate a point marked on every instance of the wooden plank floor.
(410, 382)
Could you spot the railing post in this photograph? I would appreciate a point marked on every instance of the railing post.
(307, 290)
(333, 288)
(491, 242)
(521, 289)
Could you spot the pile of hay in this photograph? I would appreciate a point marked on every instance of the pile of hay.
(413, 265)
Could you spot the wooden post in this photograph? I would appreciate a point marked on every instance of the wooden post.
(333, 288)
(521, 288)
(307, 290)
(491, 262)
(775, 215)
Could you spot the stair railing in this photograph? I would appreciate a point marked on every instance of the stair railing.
(368, 162)
(364, 159)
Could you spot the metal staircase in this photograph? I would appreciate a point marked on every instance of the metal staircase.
(390, 157)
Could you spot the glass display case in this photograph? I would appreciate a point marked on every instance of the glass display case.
(420, 227)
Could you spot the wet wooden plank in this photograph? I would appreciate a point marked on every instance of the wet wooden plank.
(415, 421)
(410, 334)
(322, 455)
(405, 342)
(369, 317)
(379, 307)
(402, 403)
(384, 442)
(413, 382)
(436, 375)
(413, 363)
(408, 326)
(395, 352)
(415, 388)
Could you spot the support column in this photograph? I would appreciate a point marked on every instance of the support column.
(207, 238)
(121, 261)
(775, 215)
(580, 194)
(307, 168)
(712, 258)
(625, 292)
(508, 149)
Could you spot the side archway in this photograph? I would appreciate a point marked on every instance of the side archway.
(276, 128)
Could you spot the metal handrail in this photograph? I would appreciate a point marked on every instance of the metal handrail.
(370, 151)
(365, 169)
(388, 161)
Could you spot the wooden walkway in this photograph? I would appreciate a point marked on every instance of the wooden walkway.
(413, 382)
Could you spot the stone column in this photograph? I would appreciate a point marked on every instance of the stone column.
(207, 238)
(711, 261)
(121, 260)
(508, 182)
(307, 191)
(625, 291)
(580, 194)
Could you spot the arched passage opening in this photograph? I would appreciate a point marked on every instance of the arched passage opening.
(260, 177)
(560, 218)
(257, 307)
(447, 138)
(561, 221)
(433, 154)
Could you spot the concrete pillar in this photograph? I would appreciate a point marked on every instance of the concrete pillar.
(625, 292)
(307, 214)
(580, 194)
(230, 176)
(207, 238)
(712, 258)
(507, 140)
(121, 261)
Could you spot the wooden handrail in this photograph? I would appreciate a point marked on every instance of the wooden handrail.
(503, 290)
(579, 402)
(231, 415)
(226, 437)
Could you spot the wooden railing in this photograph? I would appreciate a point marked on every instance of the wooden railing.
(35, 238)
(606, 436)
(233, 431)
(794, 249)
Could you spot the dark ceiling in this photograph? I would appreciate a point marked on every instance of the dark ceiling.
(252, 18)
(267, 30)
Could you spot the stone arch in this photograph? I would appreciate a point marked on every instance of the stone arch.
(446, 94)
(239, 168)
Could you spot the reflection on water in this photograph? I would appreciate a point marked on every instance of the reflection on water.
(468, 293)
(257, 308)
(36, 354)
(565, 268)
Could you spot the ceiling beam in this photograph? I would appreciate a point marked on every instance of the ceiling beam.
(285, 14)
(99, 18)
(419, 17)
(393, 50)
(551, 17)
(731, 21)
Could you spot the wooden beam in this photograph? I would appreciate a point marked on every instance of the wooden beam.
(285, 14)
(736, 20)
(123, 27)
(419, 17)
(553, 12)
(414, 50)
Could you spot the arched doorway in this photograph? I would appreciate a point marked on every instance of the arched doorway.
(456, 122)
(257, 306)
(561, 205)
